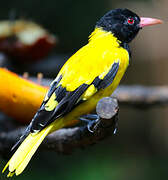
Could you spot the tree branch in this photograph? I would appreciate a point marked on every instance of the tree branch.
(67, 139)
(141, 96)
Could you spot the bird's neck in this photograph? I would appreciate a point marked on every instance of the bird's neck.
(100, 36)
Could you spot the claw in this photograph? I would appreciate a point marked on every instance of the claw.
(90, 119)
(90, 125)
(115, 131)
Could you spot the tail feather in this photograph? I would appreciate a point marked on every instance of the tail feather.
(22, 138)
(24, 163)
(24, 153)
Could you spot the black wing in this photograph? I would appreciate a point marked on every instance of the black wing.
(68, 100)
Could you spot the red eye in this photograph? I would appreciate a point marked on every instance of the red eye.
(130, 21)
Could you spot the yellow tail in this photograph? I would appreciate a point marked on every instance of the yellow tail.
(24, 153)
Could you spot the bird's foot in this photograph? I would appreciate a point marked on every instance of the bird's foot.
(90, 119)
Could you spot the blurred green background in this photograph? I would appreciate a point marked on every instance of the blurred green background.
(139, 149)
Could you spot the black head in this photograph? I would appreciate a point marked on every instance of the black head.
(123, 23)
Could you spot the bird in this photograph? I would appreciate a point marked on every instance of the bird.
(90, 74)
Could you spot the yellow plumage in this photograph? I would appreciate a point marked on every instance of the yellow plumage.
(93, 60)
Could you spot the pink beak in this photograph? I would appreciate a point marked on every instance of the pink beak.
(149, 21)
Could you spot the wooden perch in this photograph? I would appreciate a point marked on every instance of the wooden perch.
(67, 139)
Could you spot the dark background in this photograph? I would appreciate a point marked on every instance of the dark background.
(139, 149)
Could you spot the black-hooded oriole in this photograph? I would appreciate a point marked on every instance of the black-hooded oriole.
(91, 73)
